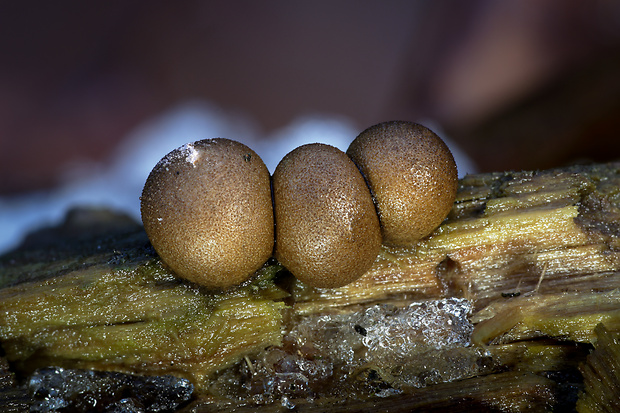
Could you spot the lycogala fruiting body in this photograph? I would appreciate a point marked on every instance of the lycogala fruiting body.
(412, 177)
(207, 210)
(327, 230)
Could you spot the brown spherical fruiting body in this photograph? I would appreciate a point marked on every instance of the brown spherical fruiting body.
(207, 210)
(327, 229)
(412, 177)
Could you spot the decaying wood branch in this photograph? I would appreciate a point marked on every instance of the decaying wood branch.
(497, 309)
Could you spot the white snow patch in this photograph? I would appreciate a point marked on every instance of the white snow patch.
(118, 185)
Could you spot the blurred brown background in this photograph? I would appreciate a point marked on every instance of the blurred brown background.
(519, 85)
